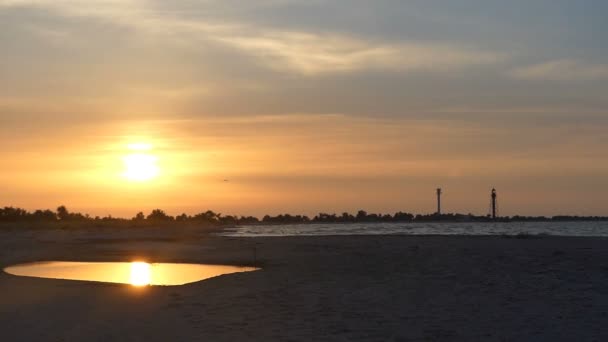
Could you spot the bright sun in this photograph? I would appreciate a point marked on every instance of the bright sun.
(140, 166)
(140, 273)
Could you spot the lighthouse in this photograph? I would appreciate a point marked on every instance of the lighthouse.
(494, 206)
(439, 192)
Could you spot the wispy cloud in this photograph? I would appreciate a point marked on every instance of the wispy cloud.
(302, 52)
(562, 70)
(310, 53)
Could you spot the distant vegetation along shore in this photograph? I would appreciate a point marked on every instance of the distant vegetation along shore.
(212, 219)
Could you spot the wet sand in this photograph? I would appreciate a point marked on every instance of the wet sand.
(365, 288)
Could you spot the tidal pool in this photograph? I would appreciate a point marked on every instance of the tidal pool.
(133, 273)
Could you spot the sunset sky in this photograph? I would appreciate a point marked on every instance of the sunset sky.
(301, 106)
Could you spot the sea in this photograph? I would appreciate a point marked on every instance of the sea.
(594, 229)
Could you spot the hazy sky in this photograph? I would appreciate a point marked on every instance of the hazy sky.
(269, 106)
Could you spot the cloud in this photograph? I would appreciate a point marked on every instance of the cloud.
(300, 52)
(312, 54)
(562, 70)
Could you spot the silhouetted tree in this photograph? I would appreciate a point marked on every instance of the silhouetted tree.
(139, 217)
(182, 218)
(227, 220)
(62, 213)
(403, 217)
(159, 215)
(248, 220)
(208, 217)
(361, 216)
(12, 214)
(346, 217)
(44, 215)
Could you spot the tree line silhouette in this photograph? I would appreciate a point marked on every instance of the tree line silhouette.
(213, 219)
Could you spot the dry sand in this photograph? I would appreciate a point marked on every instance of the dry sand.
(366, 288)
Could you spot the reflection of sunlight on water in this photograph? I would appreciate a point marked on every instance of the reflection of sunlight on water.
(140, 273)
(134, 273)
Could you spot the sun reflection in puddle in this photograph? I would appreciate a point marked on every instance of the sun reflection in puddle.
(140, 273)
(136, 273)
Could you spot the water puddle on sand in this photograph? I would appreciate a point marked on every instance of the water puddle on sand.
(133, 273)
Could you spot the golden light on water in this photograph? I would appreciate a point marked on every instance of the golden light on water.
(132, 273)
(140, 274)
(140, 165)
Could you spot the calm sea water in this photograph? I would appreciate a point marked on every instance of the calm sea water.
(476, 228)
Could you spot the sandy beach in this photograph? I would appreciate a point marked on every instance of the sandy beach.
(365, 288)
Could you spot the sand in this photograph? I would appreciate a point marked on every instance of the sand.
(365, 288)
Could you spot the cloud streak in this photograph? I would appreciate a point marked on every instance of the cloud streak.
(313, 54)
(300, 52)
(562, 70)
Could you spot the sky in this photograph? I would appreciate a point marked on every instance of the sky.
(297, 106)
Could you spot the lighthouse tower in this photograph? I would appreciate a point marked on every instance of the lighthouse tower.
(494, 204)
(439, 192)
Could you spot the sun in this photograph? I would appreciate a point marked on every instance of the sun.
(141, 165)
(140, 273)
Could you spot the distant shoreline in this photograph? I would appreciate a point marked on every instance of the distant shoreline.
(63, 218)
(219, 228)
